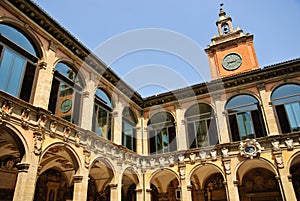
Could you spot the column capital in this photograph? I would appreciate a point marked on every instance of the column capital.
(77, 178)
(22, 167)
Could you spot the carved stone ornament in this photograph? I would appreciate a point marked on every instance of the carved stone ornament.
(279, 160)
(202, 156)
(66, 132)
(38, 141)
(225, 152)
(275, 145)
(87, 158)
(77, 139)
(213, 154)
(289, 144)
(161, 161)
(42, 121)
(144, 163)
(171, 160)
(181, 158)
(6, 109)
(137, 162)
(53, 127)
(152, 162)
(250, 148)
(192, 158)
(227, 167)
(25, 116)
(182, 172)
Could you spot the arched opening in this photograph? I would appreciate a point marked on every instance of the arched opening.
(100, 177)
(259, 184)
(162, 133)
(243, 113)
(208, 184)
(66, 93)
(286, 100)
(57, 168)
(53, 185)
(11, 153)
(129, 122)
(129, 184)
(165, 186)
(295, 172)
(201, 126)
(102, 116)
(18, 59)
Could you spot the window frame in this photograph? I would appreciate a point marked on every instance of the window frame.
(132, 135)
(30, 65)
(253, 109)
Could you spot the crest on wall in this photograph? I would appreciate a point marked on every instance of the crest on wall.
(250, 148)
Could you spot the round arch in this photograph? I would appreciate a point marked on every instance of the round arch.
(23, 28)
(62, 147)
(71, 64)
(244, 166)
(247, 93)
(189, 106)
(206, 171)
(162, 172)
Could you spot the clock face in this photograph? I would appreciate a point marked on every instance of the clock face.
(232, 61)
(66, 105)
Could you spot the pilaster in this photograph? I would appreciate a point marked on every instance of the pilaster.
(26, 180)
(80, 186)
(268, 111)
(180, 129)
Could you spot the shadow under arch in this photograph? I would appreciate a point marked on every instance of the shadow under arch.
(211, 168)
(162, 172)
(28, 32)
(62, 147)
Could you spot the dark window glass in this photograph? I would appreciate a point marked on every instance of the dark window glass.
(286, 99)
(65, 96)
(162, 133)
(245, 118)
(102, 117)
(129, 129)
(17, 63)
(201, 126)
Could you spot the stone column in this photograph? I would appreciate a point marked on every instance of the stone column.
(117, 119)
(182, 144)
(232, 188)
(268, 112)
(224, 136)
(26, 181)
(286, 185)
(186, 191)
(139, 141)
(116, 186)
(81, 186)
(44, 79)
(139, 194)
(148, 194)
(88, 98)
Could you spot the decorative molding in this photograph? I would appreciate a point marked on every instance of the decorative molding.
(22, 167)
(38, 141)
(250, 148)
(77, 178)
(25, 116)
(42, 65)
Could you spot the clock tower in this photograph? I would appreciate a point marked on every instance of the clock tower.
(231, 52)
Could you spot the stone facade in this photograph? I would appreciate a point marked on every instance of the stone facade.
(46, 157)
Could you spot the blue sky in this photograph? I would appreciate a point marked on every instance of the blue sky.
(157, 46)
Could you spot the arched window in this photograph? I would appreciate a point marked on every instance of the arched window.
(245, 118)
(18, 60)
(225, 28)
(201, 126)
(65, 97)
(286, 100)
(129, 129)
(102, 115)
(162, 133)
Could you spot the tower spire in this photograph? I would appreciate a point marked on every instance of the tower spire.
(231, 51)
